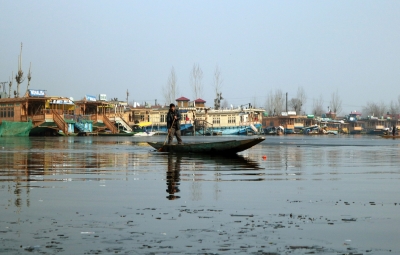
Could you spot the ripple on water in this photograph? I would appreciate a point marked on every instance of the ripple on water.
(290, 194)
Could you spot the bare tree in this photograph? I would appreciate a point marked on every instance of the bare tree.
(171, 89)
(274, 103)
(398, 101)
(255, 102)
(217, 80)
(301, 99)
(279, 101)
(336, 103)
(29, 77)
(217, 86)
(196, 77)
(295, 104)
(394, 108)
(225, 104)
(19, 77)
(10, 84)
(375, 109)
(318, 106)
(269, 108)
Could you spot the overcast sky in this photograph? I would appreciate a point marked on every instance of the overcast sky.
(93, 47)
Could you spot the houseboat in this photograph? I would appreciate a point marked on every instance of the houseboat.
(34, 113)
(291, 123)
(197, 119)
(375, 126)
(37, 114)
(354, 123)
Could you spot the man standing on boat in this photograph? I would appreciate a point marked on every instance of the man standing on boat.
(173, 124)
(394, 130)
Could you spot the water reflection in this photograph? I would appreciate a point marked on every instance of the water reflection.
(36, 163)
(173, 176)
(199, 168)
(52, 163)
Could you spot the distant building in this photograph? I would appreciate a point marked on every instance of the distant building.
(182, 102)
(199, 102)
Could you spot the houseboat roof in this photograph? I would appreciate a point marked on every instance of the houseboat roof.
(183, 99)
(24, 99)
(199, 100)
(92, 102)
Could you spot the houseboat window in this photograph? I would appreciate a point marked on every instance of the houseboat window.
(162, 118)
(142, 117)
(231, 119)
(216, 120)
(6, 111)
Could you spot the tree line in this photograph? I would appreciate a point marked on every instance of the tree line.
(380, 109)
(276, 103)
(276, 100)
(171, 90)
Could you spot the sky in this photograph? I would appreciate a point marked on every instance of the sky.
(106, 47)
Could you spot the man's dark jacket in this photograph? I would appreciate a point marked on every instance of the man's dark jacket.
(170, 119)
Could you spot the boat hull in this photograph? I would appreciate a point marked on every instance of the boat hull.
(215, 148)
(391, 136)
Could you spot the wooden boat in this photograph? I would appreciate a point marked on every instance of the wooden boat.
(217, 148)
(391, 136)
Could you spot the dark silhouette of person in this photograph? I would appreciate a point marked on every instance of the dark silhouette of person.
(173, 124)
(173, 176)
(394, 130)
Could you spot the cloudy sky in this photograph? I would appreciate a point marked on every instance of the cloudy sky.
(93, 47)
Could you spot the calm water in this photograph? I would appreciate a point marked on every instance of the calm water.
(96, 195)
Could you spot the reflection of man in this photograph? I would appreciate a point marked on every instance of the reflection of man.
(173, 176)
(173, 124)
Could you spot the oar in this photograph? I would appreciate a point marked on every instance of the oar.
(169, 130)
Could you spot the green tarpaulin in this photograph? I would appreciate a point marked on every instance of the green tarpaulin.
(9, 128)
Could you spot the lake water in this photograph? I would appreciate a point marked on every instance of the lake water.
(290, 194)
